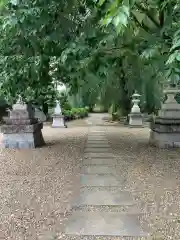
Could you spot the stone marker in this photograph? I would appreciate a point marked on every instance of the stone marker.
(58, 118)
(104, 224)
(22, 129)
(135, 117)
(165, 128)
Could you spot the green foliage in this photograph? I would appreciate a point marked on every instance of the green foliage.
(32, 34)
(102, 50)
(75, 113)
(155, 23)
(63, 98)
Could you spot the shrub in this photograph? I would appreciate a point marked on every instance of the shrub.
(75, 113)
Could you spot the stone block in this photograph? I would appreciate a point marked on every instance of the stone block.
(21, 121)
(18, 114)
(22, 139)
(165, 140)
(170, 113)
(10, 129)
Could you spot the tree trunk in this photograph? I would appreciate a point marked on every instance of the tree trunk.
(45, 108)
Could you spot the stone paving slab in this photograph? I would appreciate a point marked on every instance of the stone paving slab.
(99, 155)
(104, 224)
(97, 145)
(124, 209)
(96, 138)
(100, 161)
(96, 135)
(93, 180)
(97, 131)
(71, 237)
(103, 197)
(97, 150)
(98, 169)
(102, 134)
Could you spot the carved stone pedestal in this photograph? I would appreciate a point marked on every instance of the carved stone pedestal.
(165, 129)
(22, 130)
(58, 121)
(135, 120)
(165, 133)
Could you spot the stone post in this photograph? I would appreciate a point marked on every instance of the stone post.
(165, 129)
(135, 117)
(58, 118)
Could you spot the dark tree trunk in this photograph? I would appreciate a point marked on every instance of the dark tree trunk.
(45, 108)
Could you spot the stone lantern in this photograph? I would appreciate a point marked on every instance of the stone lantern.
(165, 129)
(21, 128)
(58, 118)
(135, 117)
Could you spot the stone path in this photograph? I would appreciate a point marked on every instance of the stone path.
(95, 119)
(104, 207)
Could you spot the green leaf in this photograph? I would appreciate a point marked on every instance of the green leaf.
(172, 58)
(101, 2)
(175, 45)
(178, 57)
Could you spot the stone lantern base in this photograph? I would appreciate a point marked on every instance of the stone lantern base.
(22, 136)
(21, 129)
(135, 120)
(165, 133)
(165, 129)
(58, 121)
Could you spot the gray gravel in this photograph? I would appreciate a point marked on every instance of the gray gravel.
(36, 186)
(152, 176)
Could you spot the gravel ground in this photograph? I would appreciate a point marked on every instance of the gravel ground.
(36, 186)
(153, 176)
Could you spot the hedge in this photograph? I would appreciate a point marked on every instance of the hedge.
(75, 113)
